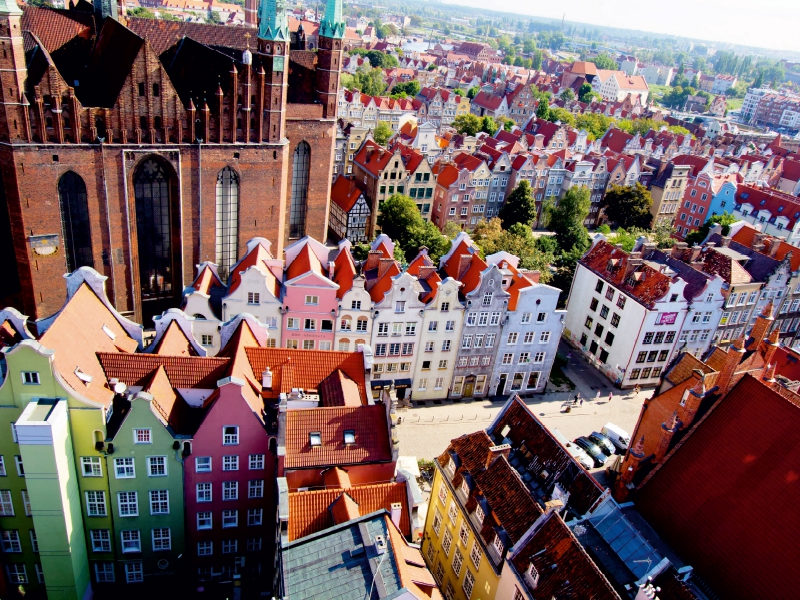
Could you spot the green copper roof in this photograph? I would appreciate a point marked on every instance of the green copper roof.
(332, 25)
(10, 7)
(272, 21)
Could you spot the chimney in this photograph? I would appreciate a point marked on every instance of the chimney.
(629, 467)
(761, 327)
(726, 241)
(634, 261)
(771, 346)
(464, 261)
(668, 429)
(370, 150)
(384, 266)
(694, 254)
(734, 357)
(266, 379)
(425, 272)
(768, 376)
(396, 511)
(773, 247)
(495, 452)
(679, 250)
(331, 269)
(690, 402)
(373, 260)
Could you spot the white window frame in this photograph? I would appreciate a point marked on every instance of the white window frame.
(153, 461)
(131, 541)
(202, 467)
(101, 540)
(143, 436)
(159, 499)
(124, 468)
(128, 504)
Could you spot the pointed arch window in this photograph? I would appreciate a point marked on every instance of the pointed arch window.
(151, 185)
(227, 221)
(75, 221)
(299, 205)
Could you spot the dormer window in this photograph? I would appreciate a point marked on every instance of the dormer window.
(532, 575)
(498, 545)
(349, 436)
(465, 488)
(451, 467)
(479, 515)
(315, 438)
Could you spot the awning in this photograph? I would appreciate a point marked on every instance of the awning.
(402, 383)
(379, 383)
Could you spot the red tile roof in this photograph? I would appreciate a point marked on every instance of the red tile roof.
(55, 28)
(309, 512)
(306, 261)
(372, 157)
(206, 279)
(304, 369)
(183, 371)
(577, 576)
(369, 423)
(345, 193)
(257, 257)
(643, 283)
(725, 499)
(344, 271)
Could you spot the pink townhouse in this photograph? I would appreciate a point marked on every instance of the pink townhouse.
(310, 300)
(229, 486)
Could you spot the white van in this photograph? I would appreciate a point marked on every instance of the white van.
(618, 436)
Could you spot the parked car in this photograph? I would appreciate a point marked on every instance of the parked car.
(580, 455)
(592, 450)
(603, 442)
(618, 436)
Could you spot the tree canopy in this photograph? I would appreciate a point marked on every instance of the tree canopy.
(410, 88)
(604, 61)
(628, 206)
(725, 219)
(519, 207)
(491, 236)
(489, 125)
(382, 133)
(468, 124)
(401, 221)
(366, 79)
(566, 219)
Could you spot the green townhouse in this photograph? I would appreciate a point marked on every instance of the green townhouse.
(54, 475)
(144, 456)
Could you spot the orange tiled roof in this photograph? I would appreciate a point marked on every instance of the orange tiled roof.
(305, 262)
(369, 424)
(309, 511)
(305, 369)
(337, 389)
(345, 193)
(206, 280)
(257, 257)
(344, 271)
(77, 333)
(174, 342)
(183, 371)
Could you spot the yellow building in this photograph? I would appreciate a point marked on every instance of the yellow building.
(488, 491)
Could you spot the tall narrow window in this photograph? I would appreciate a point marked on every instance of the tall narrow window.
(299, 205)
(153, 226)
(75, 221)
(227, 221)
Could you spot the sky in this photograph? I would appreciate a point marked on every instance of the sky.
(765, 23)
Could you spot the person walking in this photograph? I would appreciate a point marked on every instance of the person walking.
(581, 402)
(597, 397)
(610, 396)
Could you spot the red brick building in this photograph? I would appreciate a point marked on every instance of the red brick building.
(143, 147)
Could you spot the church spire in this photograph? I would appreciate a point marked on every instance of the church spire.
(332, 25)
(272, 23)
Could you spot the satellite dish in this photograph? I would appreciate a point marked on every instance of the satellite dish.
(120, 388)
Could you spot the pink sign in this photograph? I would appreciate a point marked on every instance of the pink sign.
(666, 318)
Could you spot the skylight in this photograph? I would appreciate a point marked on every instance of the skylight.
(315, 438)
(349, 436)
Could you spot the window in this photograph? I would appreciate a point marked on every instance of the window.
(3, 462)
(458, 560)
(301, 166)
(437, 521)
(400, 306)
(230, 490)
(663, 355)
(256, 462)
(19, 465)
(230, 518)
(544, 337)
(127, 504)
(90, 466)
(512, 338)
(17, 574)
(204, 492)
(312, 300)
(131, 541)
(26, 502)
(159, 502)
(254, 544)
(604, 312)
(230, 436)
(255, 488)
(157, 466)
(6, 504)
(133, 572)
(205, 548)
(202, 464)
(161, 539)
(466, 342)
(310, 324)
(447, 541)
(104, 572)
(101, 540)
(230, 463)
(230, 546)
(469, 582)
(34, 541)
(621, 301)
(227, 233)
(524, 358)
(452, 512)
(142, 436)
(10, 541)
(30, 377)
(479, 515)
(292, 323)
(204, 520)
(96, 503)
(254, 516)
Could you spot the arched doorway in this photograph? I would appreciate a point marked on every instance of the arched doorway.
(75, 221)
(158, 235)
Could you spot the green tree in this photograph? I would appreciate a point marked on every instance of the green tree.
(519, 207)
(584, 90)
(382, 133)
(472, 92)
(409, 88)
(381, 60)
(452, 229)
(604, 61)
(567, 95)
(490, 236)
(561, 115)
(416, 21)
(468, 124)
(459, 92)
(489, 125)
(367, 80)
(566, 219)
(401, 221)
(628, 206)
(136, 11)
(725, 219)
(596, 125)
(214, 18)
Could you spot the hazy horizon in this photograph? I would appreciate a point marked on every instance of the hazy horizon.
(771, 24)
